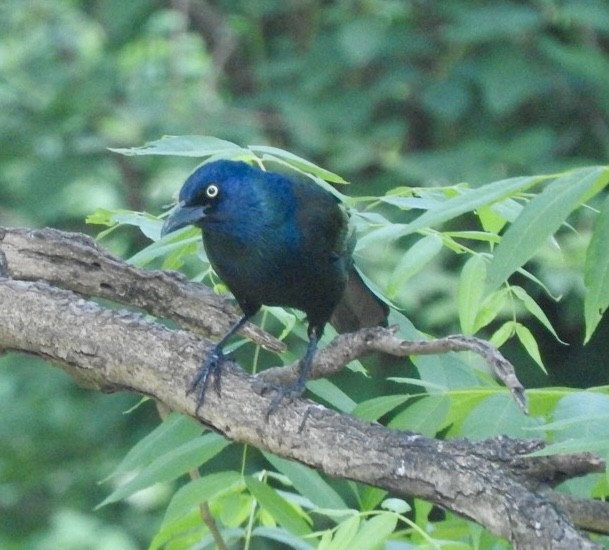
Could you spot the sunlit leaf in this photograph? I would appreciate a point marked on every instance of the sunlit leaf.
(277, 507)
(530, 344)
(540, 219)
(471, 200)
(503, 333)
(187, 146)
(170, 434)
(427, 415)
(375, 408)
(376, 530)
(497, 415)
(413, 260)
(171, 464)
(199, 490)
(596, 272)
(470, 291)
(345, 534)
(534, 309)
(307, 482)
(298, 162)
(490, 307)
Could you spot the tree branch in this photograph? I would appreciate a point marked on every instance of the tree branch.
(490, 482)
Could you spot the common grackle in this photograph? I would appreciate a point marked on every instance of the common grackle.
(278, 240)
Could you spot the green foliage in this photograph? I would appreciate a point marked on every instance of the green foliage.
(407, 100)
(456, 395)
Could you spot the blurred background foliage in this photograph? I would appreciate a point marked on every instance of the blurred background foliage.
(383, 92)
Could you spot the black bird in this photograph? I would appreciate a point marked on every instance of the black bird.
(278, 240)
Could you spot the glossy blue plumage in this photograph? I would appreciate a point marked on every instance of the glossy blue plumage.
(273, 239)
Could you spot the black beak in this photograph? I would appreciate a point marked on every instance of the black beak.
(181, 217)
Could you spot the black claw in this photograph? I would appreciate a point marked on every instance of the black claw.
(212, 366)
(284, 392)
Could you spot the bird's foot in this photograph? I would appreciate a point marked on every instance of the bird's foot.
(288, 393)
(211, 366)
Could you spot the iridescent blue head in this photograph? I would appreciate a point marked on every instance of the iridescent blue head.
(214, 192)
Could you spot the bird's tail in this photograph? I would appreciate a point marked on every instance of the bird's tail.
(359, 307)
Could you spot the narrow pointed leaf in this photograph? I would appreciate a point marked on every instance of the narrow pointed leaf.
(503, 333)
(298, 162)
(375, 531)
(490, 308)
(277, 507)
(345, 534)
(596, 272)
(528, 341)
(197, 491)
(413, 260)
(173, 432)
(308, 483)
(374, 408)
(426, 416)
(470, 291)
(540, 219)
(472, 199)
(185, 146)
(534, 309)
(171, 465)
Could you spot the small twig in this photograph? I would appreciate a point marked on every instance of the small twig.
(347, 347)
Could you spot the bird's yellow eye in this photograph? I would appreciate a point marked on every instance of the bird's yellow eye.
(212, 191)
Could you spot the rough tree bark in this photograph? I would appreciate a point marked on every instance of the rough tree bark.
(46, 278)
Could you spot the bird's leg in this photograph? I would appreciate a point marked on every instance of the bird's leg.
(213, 365)
(304, 369)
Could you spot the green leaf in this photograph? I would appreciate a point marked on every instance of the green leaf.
(497, 415)
(308, 482)
(503, 333)
(188, 528)
(186, 146)
(148, 224)
(345, 534)
(426, 416)
(279, 508)
(540, 219)
(471, 200)
(574, 446)
(470, 291)
(530, 344)
(373, 409)
(297, 162)
(331, 393)
(376, 531)
(381, 238)
(183, 242)
(491, 220)
(286, 539)
(588, 407)
(396, 505)
(199, 490)
(414, 259)
(171, 465)
(596, 272)
(533, 308)
(173, 432)
(490, 308)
